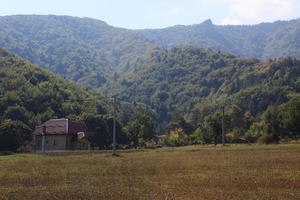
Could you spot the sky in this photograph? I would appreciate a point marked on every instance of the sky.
(138, 14)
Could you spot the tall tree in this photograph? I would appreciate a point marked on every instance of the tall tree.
(291, 118)
(13, 134)
(213, 124)
(140, 129)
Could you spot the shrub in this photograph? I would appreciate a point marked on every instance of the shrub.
(6, 153)
(176, 138)
(268, 139)
(13, 134)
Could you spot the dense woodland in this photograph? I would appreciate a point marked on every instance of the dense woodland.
(177, 92)
(29, 96)
(263, 41)
(196, 82)
(85, 50)
(92, 52)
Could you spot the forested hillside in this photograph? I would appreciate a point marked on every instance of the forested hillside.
(262, 41)
(32, 95)
(148, 72)
(184, 79)
(29, 96)
(92, 53)
(85, 50)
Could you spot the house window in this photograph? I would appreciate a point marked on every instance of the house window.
(46, 141)
(54, 142)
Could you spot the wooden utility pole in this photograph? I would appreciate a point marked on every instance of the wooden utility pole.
(223, 126)
(114, 126)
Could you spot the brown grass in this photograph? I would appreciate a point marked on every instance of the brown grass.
(196, 172)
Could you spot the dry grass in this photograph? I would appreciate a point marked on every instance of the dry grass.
(195, 172)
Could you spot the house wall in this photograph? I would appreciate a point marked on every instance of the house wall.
(52, 142)
(60, 142)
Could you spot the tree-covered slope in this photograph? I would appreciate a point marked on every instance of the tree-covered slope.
(93, 53)
(84, 50)
(184, 78)
(32, 95)
(263, 41)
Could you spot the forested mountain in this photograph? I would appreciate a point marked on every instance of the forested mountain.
(85, 50)
(30, 95)
(160, 73)
(263, 41)
(183, 79)
(91, 52)
(134, 63)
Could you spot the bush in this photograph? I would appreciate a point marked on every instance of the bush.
(176, 138)
(198, 136)
(13, 134)
(268, 139)
(6, 153)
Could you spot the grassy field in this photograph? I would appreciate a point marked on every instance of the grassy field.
(196, 172)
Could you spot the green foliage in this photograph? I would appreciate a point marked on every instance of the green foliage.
(33, 95)
(268, 139)
(272, 118)
(102, 128)
(13, 134)
(213, 125)
(140, 129)
(176, 138)
(264, 41)
(182, 79)
(209, 131)
(30, 95)
(179, 120)
(81, 49)
(256, 130)
(291, 118)
(160, 81)
(17, 113)
(201, 136)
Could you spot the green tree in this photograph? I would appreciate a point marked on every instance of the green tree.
(102, 126)
(213, 124)
(236, 117)
(201, 136)
(17, 113)
(256, 130)
(13, 134)
(177, 118)
(272, 118)
(140, 129)
(176, 138)
(291, 118)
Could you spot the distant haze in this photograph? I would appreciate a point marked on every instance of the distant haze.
(138, 14)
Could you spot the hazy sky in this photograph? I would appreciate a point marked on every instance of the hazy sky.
(160, 13)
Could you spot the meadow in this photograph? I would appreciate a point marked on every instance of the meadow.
(262, 172)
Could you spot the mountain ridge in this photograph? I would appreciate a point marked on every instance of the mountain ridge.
(257, 41)
(106, 59)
